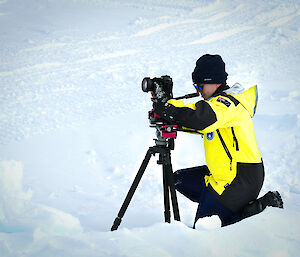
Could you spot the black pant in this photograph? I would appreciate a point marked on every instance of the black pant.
(190, 182)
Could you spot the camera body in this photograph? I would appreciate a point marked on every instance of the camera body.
(161, 88)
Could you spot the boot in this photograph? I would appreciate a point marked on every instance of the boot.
(272, 199)
(269, 199)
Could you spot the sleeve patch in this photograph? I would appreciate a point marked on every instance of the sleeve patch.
(223, 101)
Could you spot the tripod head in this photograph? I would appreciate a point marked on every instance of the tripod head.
(165, 135)
(165, 132)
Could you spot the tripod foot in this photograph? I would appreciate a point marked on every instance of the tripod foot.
(116, 224)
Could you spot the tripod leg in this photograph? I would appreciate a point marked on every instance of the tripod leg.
(132, 189)
(166, 195)
(173, 193)
(169, 188)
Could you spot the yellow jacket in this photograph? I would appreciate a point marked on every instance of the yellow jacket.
(229, 138)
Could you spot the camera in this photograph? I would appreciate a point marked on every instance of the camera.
(161, 87)
(161, 90)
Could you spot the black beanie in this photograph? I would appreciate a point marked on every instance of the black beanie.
(210, 69)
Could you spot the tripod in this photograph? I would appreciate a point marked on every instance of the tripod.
(163, 146)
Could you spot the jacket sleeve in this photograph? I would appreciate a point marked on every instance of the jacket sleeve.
(204, 116)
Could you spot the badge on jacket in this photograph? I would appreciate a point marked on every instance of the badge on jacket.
(223, 101)
(210, 136)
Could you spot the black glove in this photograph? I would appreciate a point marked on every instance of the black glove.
(164, 110)
(159, 108)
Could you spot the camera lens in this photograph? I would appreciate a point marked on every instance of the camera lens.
(147, 85)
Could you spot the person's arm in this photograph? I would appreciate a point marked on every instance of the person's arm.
(203, 116)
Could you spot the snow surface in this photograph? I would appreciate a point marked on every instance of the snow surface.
(74, 127)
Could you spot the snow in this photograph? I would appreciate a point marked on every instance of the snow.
(74, 127)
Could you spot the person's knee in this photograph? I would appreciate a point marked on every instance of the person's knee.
(177, 176)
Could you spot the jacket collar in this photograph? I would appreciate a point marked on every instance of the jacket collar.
(220, 90)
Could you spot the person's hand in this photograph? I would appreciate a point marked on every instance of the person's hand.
(164, 110)
(159, 108)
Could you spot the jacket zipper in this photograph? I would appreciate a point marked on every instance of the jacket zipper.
(225, 148)
(235, 140)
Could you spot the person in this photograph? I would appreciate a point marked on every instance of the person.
(228, 186)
